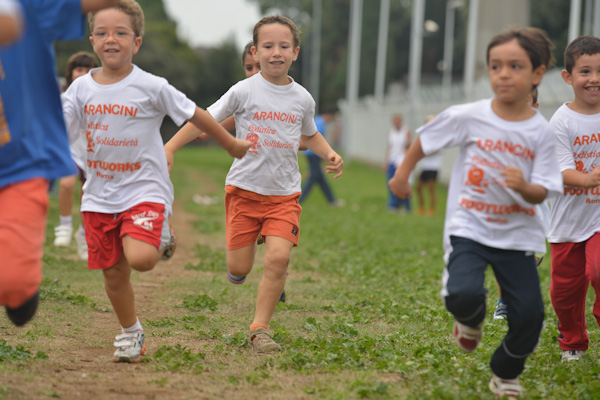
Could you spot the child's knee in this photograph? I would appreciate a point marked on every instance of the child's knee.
(143, 264)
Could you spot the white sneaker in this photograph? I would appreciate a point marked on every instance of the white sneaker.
(82, 248)
(572, 355)
(130, 347)
(511, 388)
(62, 235)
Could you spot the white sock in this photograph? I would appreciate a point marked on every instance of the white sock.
(66, 220)
(134, 328)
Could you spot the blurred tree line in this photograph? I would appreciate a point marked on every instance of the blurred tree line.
(206, 74)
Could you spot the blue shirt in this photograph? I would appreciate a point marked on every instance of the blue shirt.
(321, 126)
(33, 137)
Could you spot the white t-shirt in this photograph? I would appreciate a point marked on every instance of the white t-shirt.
(126, 163)
(10, 7)
(480, 207)
(397, 141)
(575, 213)
(273, 117)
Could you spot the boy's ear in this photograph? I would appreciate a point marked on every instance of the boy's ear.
(137, 42)
(567, 77)
(296, 52)
(254, 54)
(538, 74)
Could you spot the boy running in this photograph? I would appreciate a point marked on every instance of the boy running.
(575, 217)
(507, 164)
(128, 194)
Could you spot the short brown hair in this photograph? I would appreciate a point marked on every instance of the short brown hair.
(79, 59)
(131, 8)
(533, 40)
(277, 19)
(247, 50)
(583, 45)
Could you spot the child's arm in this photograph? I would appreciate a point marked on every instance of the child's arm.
(200, 122)
(572, 177)
(531, 192)
(318, 145)
(228, 123)
(10, 27)
(399, 183)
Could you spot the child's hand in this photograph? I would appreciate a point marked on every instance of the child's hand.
(170, 158)
(513, 177)
(239, 148)
(593, 178)
(400, 188)
(336, 165)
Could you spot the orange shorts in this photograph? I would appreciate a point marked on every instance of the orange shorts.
(103, 232)
(23, 213)
(247, 218)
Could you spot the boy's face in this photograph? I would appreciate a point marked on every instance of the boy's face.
(275, 52)
(251, 66)
(511, 72)
(113, 39)
(585, 79)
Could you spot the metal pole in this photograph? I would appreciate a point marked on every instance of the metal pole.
(354, 52)
(587, 17)
(448, 46)
(596, 23)
(469, 77)
(574, 19)
(384, 20)
(416, 48)
(316, 52)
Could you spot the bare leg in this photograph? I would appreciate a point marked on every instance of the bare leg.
(276, 261)
(240, 261)
(431, 185)
(66, 190)
(421, 208)
(120, 292)
(140, 255)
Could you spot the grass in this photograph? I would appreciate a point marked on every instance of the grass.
(363, 319)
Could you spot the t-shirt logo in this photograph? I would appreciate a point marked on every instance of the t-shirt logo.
(476, 178)
(253, 137)
(90, 142)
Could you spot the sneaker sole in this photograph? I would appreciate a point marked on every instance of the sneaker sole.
(129, 360)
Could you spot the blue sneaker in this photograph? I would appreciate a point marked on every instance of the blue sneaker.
(501, 310)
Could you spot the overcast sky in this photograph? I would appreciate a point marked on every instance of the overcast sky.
(210, 22)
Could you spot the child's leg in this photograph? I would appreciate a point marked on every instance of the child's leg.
(517, 275)
(592, 259)
(431, 185)
(568, 289)
(276, 261)
(120, 292)
(240, 261)
(463, 291)
(23, 212)
(66, 191)
(140, 255)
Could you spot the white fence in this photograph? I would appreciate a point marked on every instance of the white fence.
(365, 126)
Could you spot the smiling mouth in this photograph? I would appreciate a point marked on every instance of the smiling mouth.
(593, 89)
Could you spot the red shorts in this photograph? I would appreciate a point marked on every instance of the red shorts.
(23, 212)
(247, 218)
(103, 232)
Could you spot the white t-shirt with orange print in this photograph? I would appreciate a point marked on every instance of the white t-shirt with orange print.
(273, 117)
(480, 207)
(126, 163)
(575, 213)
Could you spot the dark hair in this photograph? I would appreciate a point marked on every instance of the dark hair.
(247, 50)
(277, 19)
(583, 45)
(533, 40)
(79, 59)
(534, 96)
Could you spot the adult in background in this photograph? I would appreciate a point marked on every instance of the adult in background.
(399, 140)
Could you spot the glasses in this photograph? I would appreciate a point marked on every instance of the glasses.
(119, 35)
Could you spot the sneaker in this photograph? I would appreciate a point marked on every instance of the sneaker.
(62, 235)
(572, 355)
(260, 340)
(82, 248)
(467, 338)
(130, 347)
(282, 298)
(511, 388)
(169, 249)
(501, 310)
